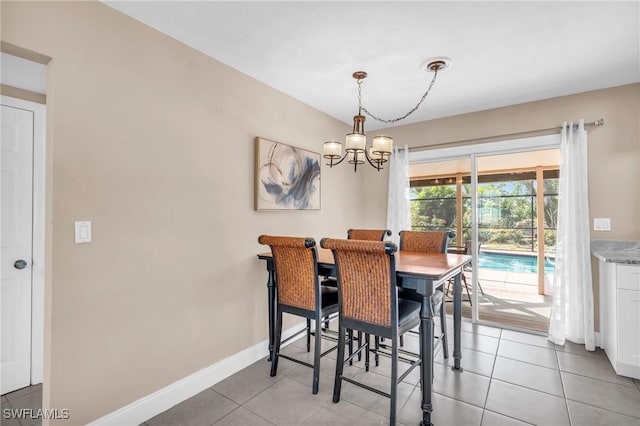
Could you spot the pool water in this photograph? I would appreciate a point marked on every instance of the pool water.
(512, 262)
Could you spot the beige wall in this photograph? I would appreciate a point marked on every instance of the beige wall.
(614, 149)
(154, 143)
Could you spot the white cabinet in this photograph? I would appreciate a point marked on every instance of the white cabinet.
(620, 316)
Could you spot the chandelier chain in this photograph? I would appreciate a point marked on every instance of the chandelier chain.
(395, 120)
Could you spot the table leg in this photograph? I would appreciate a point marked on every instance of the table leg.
(426, 370)
(271, 295)
(457, 322)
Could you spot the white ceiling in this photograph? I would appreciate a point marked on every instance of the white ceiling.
(503, 53)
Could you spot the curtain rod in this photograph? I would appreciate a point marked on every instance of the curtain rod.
(497, 138)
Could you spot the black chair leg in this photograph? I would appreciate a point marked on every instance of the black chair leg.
(377, 357)
(394, 382)
(421, 358)
(443, 330)
(337, 385)
(350, 345)
(366, 355)
(466, 287)
(317, 350)
(401, 341)
(276, 345)
(308, 335)
(359, 343)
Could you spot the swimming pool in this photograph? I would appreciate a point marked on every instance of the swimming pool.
(512, 262)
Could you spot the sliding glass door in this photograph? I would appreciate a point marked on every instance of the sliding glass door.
(516, 196)
(441, 196)
(500, 199)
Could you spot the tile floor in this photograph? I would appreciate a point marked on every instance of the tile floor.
(509, 378)
(25, 398)
(510, 298)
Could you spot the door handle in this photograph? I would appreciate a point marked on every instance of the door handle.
(20, 264)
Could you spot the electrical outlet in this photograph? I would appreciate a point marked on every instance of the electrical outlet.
(602, 224)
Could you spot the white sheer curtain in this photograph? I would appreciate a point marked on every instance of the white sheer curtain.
(572, 307)
(398, 216)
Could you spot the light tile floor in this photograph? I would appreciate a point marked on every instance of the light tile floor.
(509, 378)
(509, 298)
(29, 398)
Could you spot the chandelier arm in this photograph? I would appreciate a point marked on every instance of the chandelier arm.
(411, 111)
(375, 166)
(341, 160)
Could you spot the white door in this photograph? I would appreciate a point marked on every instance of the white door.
(16, 234)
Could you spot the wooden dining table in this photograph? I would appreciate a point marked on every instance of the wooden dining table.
(421, 272)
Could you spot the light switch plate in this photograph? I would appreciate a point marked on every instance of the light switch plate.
(602, 224)
(83, 232)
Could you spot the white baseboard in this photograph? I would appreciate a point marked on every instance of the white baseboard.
(151, 405)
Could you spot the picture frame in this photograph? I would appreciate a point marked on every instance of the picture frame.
(286, 177)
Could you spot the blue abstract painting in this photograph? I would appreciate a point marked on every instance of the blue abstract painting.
(287, 178)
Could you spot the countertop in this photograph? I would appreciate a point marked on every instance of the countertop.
(616, 251)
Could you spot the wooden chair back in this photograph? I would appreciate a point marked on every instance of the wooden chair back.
(296, 265)
(425, 241)
(366, 280)
(368, 234)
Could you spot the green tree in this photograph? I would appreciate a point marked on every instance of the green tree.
(433, 207)
(551, 187)
(507, 211)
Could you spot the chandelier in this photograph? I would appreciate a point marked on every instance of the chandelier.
(355, 145)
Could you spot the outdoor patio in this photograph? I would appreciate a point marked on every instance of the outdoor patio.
(511, 299)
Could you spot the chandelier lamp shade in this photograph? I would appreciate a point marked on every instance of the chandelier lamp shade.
(355, 145)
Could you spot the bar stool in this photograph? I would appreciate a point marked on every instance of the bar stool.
(369, 303)
(429, 242)
(300, 293)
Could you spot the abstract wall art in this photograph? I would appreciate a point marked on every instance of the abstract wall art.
(287, 178)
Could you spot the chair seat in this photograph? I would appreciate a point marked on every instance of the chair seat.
(408, 314)
(329, 298)
(404, 293)
(330, 282)
(436, 300)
